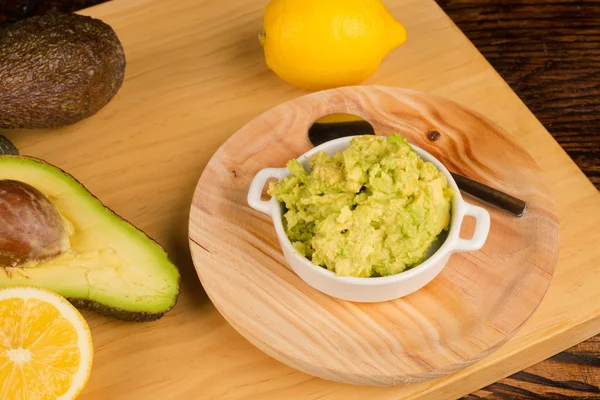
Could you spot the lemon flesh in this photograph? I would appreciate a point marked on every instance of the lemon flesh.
(45, 346)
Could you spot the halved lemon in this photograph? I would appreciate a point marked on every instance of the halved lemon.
(45, 346)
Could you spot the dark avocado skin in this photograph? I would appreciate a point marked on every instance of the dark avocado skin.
(7, 148)
(57, 69)
(115, 312)
(104, 309)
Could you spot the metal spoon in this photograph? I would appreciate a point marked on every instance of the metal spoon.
(335, 126)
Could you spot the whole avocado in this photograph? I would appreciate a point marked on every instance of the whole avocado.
(7, 147)
(57, 69)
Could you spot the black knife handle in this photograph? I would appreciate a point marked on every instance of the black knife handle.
(490, 195)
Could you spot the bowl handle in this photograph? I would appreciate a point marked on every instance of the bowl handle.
(257, 185)
(482, 228)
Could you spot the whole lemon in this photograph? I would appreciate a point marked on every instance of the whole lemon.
(319, 44)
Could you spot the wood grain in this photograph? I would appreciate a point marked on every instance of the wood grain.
(549, 53)
(476, 303)
(572, 374)
(195, 75)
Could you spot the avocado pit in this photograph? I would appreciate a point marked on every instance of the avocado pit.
(31, 228)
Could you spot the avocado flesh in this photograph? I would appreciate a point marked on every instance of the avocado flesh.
(111, 266)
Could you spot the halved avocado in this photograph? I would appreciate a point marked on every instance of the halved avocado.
(109, 265)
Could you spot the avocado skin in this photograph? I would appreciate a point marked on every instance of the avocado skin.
(57, 69)
(104, 309)
(117, 313)
(7, 147)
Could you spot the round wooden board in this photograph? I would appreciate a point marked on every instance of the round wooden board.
(477, 303)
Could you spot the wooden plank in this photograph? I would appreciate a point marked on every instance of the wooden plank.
(195, 75)
(478, 301)
(548, 52)
(571, 374)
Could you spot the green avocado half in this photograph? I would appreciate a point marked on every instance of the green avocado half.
(110, 266)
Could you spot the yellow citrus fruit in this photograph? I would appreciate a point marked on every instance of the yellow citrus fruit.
(45, 346)
(319, 44)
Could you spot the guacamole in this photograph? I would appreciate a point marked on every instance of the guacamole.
(372, 210)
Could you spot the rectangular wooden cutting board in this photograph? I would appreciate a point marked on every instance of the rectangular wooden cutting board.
(195, 75)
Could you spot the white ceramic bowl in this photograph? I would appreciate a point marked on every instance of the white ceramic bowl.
(376, 289)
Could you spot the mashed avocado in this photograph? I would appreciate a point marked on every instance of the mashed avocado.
(372, 210)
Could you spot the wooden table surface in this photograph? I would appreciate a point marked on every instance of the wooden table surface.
(549, 53)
